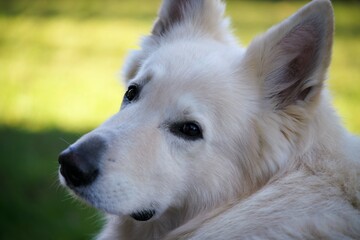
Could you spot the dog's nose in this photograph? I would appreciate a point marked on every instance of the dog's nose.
(76, 169)
(79, 165)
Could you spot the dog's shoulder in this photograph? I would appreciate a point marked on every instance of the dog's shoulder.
(298, 205)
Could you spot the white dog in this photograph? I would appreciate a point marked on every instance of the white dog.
(214, 141)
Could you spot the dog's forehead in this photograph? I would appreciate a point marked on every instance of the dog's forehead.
(186, 70)
(190, 61)
(190, 77)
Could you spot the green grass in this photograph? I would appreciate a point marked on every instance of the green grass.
(32, 204)
(59, 62)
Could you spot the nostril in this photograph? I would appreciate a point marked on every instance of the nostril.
(77, 169)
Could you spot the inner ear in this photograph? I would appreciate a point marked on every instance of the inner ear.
(291, 59)
(173, 12)
(290, 80)
(169, 14)
(304, 93)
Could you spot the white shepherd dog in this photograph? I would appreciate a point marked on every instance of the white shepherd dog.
(214, 141)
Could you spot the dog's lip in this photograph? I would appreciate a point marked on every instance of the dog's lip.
(143, 215)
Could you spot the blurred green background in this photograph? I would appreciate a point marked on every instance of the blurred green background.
(59, 65)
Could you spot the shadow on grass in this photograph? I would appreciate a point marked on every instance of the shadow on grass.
(32, 204)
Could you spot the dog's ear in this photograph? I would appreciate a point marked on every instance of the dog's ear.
(291, 59)
(193, 16)
(181, 19)
(174, 12)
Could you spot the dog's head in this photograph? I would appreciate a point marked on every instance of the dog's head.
(199, 112)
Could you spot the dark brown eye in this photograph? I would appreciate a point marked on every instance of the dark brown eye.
(132, 93)
(187, 130)
(190, 129)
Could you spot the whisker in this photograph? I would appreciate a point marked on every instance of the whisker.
(62, 139)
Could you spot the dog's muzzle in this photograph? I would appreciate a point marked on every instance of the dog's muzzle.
(79, 164)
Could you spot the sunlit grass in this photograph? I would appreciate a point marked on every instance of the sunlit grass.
(59, 63)
(63, 73)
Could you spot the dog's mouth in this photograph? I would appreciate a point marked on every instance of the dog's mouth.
(140, 215)
(143, 215)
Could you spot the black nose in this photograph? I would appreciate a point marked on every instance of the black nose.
(79, 165)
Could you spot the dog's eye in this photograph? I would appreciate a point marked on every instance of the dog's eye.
(132, 93)
(187, 130)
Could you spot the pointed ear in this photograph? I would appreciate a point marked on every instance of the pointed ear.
(189, 18)
(171, 13)
(291, 59)
(204, 16)
(175, 11)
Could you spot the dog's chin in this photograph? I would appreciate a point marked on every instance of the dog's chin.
(138, 215)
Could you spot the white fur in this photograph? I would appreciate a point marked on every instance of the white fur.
(274, 161)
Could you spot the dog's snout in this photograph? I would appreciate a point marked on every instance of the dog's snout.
(79, 165)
